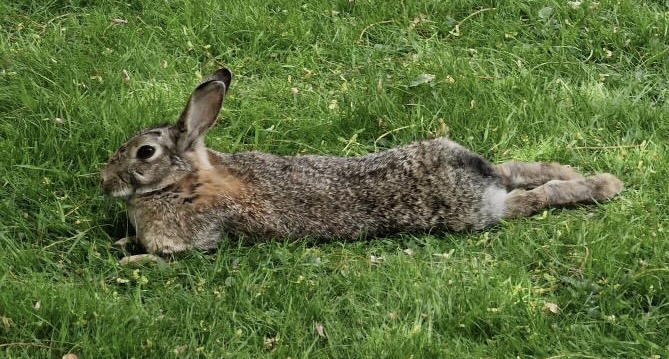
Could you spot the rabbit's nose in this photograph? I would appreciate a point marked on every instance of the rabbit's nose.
(105, 183)
(107, 187)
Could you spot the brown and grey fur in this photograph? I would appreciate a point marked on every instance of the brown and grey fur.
(186, 196)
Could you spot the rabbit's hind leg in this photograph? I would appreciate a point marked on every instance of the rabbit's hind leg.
(527, 175)
(557, 193)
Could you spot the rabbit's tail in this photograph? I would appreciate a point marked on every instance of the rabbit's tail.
(556, 193)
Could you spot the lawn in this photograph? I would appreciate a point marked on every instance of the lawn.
(583, 83)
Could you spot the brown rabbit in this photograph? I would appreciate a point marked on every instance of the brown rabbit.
(181, 195)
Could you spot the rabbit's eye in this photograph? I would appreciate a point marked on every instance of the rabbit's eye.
(145, 152)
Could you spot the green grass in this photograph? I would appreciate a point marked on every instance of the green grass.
(530, 80)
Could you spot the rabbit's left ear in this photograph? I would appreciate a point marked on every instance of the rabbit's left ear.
(202, 109)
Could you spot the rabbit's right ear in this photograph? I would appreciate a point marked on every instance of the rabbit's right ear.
(202, 109)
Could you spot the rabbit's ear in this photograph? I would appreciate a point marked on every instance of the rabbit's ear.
(202, 109)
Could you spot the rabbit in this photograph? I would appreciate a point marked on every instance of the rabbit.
(181, 195)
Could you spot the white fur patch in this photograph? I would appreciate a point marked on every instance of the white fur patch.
(203, 158)
(199, 156)
(493, 202)
(126, 192)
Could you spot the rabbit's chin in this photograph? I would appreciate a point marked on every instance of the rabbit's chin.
(147, 189)
(124, 193)
(128, 192)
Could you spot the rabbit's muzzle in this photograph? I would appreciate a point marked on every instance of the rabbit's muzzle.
(108, 183)
(114, 185)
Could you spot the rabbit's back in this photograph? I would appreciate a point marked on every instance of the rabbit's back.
(417, 187)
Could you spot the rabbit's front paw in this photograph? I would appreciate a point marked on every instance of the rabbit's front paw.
(141, 259)
(124, 242)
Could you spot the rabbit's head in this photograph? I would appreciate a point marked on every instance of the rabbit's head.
(157, 157)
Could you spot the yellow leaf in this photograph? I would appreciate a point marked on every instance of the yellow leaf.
(319, 329)
(551, 308)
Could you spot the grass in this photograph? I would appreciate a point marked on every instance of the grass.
(583, 83)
